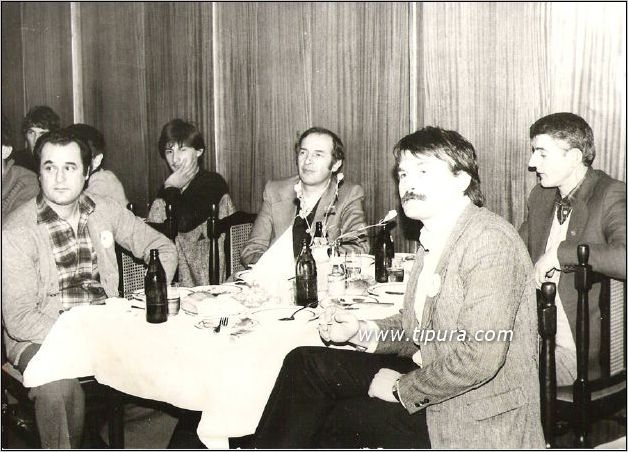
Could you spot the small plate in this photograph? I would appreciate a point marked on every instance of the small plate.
(348, 301)
(216, 290)
(139, 294)
(405, 256)
(273, 314)
(391, 289)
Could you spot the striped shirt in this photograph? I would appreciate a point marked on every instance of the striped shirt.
(74, 255)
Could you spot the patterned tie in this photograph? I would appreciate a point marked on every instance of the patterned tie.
(563, 209)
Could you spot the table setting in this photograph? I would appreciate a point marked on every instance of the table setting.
(221, 348)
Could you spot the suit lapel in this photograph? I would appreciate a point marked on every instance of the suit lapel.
(580, 211)
(542, 222)
(326, 199)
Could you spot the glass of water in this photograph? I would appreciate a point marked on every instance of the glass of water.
(353, 265)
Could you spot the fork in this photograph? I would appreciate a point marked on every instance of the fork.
(223, 322)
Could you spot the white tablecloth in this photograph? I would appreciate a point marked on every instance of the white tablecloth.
(228, 379)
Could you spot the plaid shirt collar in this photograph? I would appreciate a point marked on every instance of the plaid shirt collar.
(74, 254)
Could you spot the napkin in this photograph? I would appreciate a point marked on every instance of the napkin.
(275, 268)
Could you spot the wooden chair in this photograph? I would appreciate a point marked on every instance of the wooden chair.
(586, 401)
(236, 228)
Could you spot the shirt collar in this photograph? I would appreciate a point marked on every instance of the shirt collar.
(434, 238)
(46, 215)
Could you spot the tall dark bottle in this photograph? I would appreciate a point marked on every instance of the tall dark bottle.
(384, 253)
(155, 289)
(318, 234)
(306, 277)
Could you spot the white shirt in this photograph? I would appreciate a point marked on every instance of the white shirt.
(564, 337)
(434, 236)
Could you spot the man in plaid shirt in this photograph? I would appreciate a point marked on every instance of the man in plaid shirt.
(57, 253)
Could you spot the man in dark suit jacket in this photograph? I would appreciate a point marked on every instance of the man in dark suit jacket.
(573, 204)
(317, 193)
(472, 276)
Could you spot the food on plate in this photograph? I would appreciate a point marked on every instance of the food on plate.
(200, 296)
(357, 286)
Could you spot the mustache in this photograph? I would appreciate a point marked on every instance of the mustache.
(411, 195)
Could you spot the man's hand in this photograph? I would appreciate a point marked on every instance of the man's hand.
(336, 325)
(546, 267)
(182, 176)
(383, 384)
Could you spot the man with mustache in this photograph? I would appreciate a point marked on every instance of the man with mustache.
(472, 274)
(573, 204)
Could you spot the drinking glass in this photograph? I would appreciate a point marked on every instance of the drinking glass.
(395, 271)
(353, 265)
(174, 299)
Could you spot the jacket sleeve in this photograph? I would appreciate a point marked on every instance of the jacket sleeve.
(492, 276)
(22, 313)
(352, 219)
(259, 240)
(139, 238)
(608, 258)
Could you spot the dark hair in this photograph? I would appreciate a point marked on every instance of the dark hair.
(449, 146)
(337, 150)
(570, 128)
(63, 137)
(41, 116)
(90, 136)
(182, 133)
(7, 132)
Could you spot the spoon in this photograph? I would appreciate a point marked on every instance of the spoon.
(309, 305)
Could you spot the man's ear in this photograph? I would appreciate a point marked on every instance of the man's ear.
(96, 162)
(463, 179)
(199, 152)
(576, 155)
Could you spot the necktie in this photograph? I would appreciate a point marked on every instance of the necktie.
(563, 209)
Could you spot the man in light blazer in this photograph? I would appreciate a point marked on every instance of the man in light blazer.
(573, 204)
(404, 388)
(317, 193)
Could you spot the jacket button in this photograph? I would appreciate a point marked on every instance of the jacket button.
(425, 401)
(572, 233)
(61, 311)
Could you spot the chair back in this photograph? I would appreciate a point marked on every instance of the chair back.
(547, 361)
(237, 238)
(132, 272)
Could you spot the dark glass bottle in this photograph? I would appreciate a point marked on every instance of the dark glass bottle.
(305, 272)
(155, 289)
(384, 254)
(171, 222)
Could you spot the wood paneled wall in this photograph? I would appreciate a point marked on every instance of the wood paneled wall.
(253, 76)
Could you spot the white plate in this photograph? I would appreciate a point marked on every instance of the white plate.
(349, 301)
(391, 289)
(273, 314)
(217, 289)
(139, 294)
(212, 308)
(405, 256)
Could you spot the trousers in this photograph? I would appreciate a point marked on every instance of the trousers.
(320, 400)
(59, 408)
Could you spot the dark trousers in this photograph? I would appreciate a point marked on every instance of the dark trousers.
(59, 409)
(320, 400)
